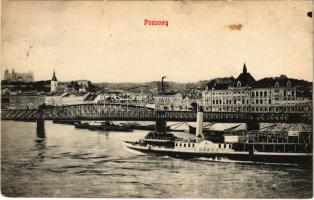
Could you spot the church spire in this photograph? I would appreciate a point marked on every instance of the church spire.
(244, 69)
(54, 78)
(54, 82)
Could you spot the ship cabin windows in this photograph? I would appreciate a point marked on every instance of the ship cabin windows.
(225, 146)
(184, 144)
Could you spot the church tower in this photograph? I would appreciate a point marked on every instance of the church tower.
(54, 82)
(244, 69)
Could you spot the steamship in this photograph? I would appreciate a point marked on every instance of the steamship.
(254, 146)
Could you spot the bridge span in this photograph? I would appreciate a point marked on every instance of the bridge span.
(121, 112)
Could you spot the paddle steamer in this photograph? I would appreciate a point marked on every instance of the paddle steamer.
(255, 146)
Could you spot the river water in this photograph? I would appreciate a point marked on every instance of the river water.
(81, 163)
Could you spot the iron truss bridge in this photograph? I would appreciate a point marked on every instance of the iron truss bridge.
(137, 113)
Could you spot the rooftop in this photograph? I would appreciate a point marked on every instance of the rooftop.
(245, 79)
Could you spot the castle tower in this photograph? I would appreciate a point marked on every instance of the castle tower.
(54, 82)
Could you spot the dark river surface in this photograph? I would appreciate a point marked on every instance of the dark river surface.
(83, 163)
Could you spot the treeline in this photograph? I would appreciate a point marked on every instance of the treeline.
(36, 86)
(16, 83)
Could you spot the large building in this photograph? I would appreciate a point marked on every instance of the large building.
(22, 101)
(177, 101)
(70, 99)
(168, 101)
(21, 77)
(245, 94)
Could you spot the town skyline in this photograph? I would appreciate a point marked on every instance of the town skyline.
(92, 45)
(150, 81)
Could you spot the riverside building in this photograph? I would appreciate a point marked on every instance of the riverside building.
(245, 94)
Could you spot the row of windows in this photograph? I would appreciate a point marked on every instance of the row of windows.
(254, 93)
(224, 146)
(261, 101)
(231, 93)
(193, 145)
(246, 101)
(260, 93)
(257, 101)
(185, 145)
(220, 146)
(234, 109)
(258, 109)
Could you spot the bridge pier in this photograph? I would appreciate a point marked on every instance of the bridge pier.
(161, 126)
(252, 126)
(40, 131)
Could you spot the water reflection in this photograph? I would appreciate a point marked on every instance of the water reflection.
(40, 131)
(40, 145)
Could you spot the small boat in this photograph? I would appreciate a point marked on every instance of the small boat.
(108, 126)
(81, 125)
(97, 125)
(151, 127)
(63, 122)
(138, 126)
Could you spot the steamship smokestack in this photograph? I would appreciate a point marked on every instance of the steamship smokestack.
(199, 125)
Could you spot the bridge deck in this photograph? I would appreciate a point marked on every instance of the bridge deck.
(136, 113)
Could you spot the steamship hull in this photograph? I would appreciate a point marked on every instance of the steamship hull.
(260, 157)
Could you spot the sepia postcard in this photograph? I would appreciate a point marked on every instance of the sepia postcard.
(157, 99)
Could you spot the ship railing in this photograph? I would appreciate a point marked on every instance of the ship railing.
(301, 138)
(279, 148)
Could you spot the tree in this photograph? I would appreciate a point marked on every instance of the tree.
(194, 106)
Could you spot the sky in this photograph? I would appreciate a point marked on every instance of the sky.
(106, 41)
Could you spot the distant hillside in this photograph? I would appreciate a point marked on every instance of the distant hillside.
(174, 86)
(151, 86)
(147, 87)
